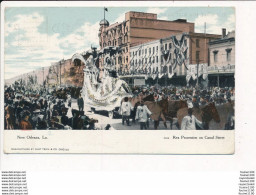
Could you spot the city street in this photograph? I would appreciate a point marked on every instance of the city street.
(116, 122)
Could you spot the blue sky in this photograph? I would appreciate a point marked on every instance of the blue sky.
(36, 37)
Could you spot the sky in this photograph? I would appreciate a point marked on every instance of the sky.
(37, 37)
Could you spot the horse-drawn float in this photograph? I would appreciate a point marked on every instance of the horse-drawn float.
(102, 90)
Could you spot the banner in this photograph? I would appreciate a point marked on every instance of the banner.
(192, 71)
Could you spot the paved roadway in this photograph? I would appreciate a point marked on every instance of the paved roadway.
(116, 122)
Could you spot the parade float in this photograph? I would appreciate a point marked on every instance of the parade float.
(102, 90)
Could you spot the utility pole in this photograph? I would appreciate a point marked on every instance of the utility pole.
(197, 67)
(43, 77)
(60, 69)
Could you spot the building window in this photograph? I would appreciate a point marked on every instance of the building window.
(142, 51)
(197, 55)
(139, 53)
(153, 50)
(149, 51)
(146, 60)
(153, 59)
(215, 56)
(145, 51)
(165, 46)
(197, 43)
(170, 45)
(185, 42)
(228, 54)
(142, 61)
(156, 59)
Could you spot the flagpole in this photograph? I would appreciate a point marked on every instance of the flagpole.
(104, 14)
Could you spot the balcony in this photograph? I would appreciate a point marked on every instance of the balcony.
(221, 69)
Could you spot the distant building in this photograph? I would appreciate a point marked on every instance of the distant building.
(172, 58)
(221, 68)
(137, 28)
(64, 73)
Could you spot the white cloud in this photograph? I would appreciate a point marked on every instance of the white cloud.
(40, 48)
(230, 24)
(210, 19)
(214, 24)
(163, 18)
(156, 10)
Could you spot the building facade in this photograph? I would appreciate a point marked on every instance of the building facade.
(172, 58)
(136, 29)
(221, 68)
(65, 73)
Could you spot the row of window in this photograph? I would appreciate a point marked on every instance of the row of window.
(150, 60)
(149, 50)
(116, 42)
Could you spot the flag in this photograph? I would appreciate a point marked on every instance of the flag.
(106, 9)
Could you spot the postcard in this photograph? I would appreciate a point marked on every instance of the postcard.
(136, 80)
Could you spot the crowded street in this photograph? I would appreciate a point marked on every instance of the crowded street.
(39, 109)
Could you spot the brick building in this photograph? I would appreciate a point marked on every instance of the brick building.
(64, 73)
(137, 28)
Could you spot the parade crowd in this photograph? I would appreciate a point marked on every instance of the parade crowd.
(40, 109)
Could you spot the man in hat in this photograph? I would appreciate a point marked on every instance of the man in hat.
(195, 102)
(189, 122)
(80, 102)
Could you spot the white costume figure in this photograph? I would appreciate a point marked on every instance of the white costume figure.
(142, 113)
(189, 122)
(126, 108)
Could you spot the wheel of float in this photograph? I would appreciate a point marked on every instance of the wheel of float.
(111, 114)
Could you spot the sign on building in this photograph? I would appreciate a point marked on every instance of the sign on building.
(139, 82)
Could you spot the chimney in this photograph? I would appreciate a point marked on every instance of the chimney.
(223, 32)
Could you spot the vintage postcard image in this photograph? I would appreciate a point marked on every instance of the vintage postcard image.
(157, 80)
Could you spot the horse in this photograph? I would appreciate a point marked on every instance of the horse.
(173, 107)
(166, 110)
(10, 117)
(159, 110)
(226, 112)
(204, 113)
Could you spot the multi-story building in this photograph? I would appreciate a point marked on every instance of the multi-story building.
(222, 60)
(137, 28)
(65, 73)
(145, 59)
(171, 57)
